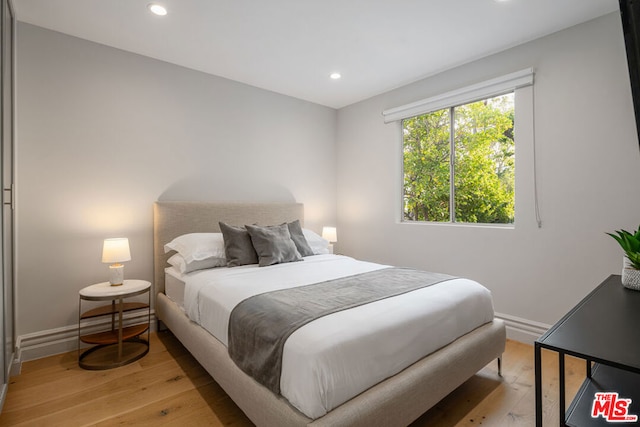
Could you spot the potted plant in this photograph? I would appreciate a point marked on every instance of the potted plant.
(630, 243)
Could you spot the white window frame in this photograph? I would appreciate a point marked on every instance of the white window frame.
(483, 90)
(466, 95)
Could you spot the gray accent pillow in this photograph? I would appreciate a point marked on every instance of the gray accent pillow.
(237, 246)
(298, 238)
(273, 244)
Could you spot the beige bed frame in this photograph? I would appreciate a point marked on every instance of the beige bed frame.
(397, 401)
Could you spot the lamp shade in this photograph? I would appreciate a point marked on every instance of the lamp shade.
(116, 250)
(330, 234)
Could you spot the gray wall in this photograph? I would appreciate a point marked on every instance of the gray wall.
(103, 133)
(588, 163)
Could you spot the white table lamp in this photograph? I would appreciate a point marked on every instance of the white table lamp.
(115, 252)
(330, 234)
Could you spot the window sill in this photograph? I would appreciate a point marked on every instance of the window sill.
(459, 225)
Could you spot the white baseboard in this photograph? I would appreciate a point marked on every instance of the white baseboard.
(523, 330)
(65, 339)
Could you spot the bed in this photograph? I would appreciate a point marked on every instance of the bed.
(394, 401)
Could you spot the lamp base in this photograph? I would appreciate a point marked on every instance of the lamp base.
(116, 274)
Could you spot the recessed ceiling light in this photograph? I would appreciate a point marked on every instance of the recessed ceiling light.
(335, 76)
(157, 9)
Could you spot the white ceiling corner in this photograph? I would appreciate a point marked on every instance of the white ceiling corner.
(291, 46)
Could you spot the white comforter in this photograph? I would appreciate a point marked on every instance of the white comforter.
(334, 358)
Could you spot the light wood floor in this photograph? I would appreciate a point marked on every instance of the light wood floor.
(168, 387)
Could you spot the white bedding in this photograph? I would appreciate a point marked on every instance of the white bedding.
(325, 364)
(174, 284)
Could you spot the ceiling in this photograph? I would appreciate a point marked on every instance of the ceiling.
(291, 46)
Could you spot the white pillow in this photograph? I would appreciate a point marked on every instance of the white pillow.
(197, 246)
(178, 262)
(317, 244)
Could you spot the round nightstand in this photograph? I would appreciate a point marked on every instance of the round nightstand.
(121, 344)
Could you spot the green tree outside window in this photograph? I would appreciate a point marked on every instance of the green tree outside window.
(482, 167)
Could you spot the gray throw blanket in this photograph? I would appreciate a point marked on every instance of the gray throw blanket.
(260, 325)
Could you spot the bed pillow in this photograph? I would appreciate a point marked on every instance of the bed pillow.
(178, 262)
(273, 244)
(237, 246)
(197, 246)
(318, 245)
(298, 238)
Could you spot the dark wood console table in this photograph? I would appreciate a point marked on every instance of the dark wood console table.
(604, 330)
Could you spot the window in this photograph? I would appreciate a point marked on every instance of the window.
(459, 151)
(459, 163)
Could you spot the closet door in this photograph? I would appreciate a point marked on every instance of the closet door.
(6, 173)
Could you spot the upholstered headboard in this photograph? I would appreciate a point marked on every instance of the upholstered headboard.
(173, 219)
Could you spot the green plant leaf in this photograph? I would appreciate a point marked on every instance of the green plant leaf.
(634, 258)
(630, 244)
